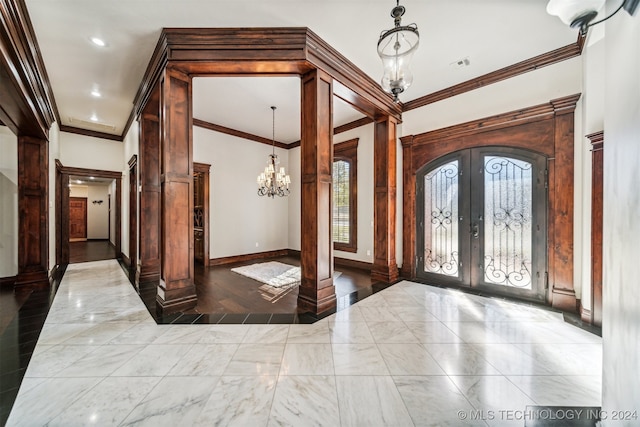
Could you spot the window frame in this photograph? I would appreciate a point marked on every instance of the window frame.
(348, 151)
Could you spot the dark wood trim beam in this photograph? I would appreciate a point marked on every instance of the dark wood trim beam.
(248, 257)
(353, 125)
(89, 172)
(7, 282)
(27, 105)
(262, 51)
(91, 133)
(531, 64)
(244, 135)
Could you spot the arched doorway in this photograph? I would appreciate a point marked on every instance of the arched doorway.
(481, 221)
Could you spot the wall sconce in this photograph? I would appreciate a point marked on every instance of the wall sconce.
(580, 13)
(97, 202)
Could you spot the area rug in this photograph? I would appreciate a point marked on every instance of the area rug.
(279, 279)
(272, 273)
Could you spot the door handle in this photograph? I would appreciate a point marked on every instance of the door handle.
(475, 230)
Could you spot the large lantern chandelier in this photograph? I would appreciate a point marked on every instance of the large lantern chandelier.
(273, 182)
(396, 48)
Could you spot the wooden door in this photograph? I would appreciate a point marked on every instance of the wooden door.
(77, 219)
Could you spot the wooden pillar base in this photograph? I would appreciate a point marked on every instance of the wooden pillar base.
(33, 279)
(320, 302)
(385, 273)
(175, 300)
(564, 299)
(148, 272)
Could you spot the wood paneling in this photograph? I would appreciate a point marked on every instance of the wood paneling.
(33, 218)
(176, 291)
(546, 129)
(597, 176)
(149, 172)
(317, 293)
(385, 267)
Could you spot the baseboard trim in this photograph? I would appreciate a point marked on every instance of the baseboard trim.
(585, 314)
(361, 265)
(125, 259)
(8, 282)
(247, 257)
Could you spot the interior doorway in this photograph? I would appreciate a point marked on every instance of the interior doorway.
(64, 177)
(77, 219)
(481, 219)
(201, 229)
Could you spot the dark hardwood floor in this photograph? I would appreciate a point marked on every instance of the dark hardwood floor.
(221, 290)
(91, 250)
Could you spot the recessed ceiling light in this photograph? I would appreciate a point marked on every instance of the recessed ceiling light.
(96, 93)
(94, 118)
(91, 177)
(98, 42)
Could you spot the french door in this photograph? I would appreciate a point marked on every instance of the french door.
(481, 219)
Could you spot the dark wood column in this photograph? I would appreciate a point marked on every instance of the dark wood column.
(148, 270)
(594, 316)
(385, 267)
(408, 209)
(33, 221)
(133, 213)
(176, 291)
(563, 296)
(317, 293)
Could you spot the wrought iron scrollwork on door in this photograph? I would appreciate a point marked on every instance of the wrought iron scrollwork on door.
(508, 198)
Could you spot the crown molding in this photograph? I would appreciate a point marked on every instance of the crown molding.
(234, 132)
(91, 133)
(28, 106)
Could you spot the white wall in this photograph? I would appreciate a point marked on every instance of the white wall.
(98, 214)
(364, 199)
(54, 153)
(621, 231)
(8, 203)
(241, 221)
(130, 147)
(593, 60)
(111, 190)
(81, 151)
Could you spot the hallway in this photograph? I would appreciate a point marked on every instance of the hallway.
(408, 355)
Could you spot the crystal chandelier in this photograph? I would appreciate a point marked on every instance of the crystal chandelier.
(273, 182)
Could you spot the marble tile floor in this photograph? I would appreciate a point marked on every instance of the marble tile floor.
(408, 355)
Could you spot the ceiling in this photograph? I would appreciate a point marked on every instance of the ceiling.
(492, 34)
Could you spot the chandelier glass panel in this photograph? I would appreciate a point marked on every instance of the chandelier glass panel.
(273, 181)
